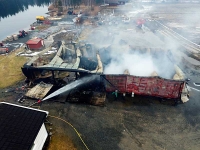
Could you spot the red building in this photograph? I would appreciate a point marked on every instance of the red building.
(35, 44)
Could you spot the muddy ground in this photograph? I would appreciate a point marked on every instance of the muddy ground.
(126, 123)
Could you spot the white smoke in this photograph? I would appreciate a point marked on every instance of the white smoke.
(127, 48)
(139, 65)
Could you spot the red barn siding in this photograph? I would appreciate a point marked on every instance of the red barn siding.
(152, 86)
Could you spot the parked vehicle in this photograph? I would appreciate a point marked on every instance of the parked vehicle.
(22, 34)
(4, 50)
(1, 44)
(70, 11)
(140, 22)
(40, 18)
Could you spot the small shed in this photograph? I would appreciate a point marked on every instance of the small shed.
(22, 128)
(35, 44)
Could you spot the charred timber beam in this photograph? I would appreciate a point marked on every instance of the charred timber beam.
(55, 69)
(53, 76)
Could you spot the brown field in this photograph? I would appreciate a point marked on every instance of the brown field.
(10, 69)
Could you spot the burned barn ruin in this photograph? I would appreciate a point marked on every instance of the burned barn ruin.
(69, 58)
(76, 73)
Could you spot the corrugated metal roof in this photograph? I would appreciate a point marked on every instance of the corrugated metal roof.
(33, 41)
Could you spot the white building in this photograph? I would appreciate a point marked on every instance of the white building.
(22, 128)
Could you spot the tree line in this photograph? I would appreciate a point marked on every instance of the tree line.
(12, 7)
(74, 3)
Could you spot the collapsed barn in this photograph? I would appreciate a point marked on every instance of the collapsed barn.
(68, 58)
(70, 64)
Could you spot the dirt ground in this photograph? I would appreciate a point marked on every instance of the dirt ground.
(123, 124)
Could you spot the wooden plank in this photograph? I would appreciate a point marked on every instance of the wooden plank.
(39, 91)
